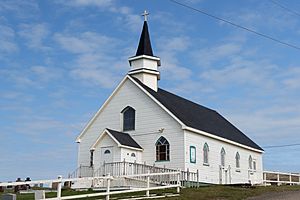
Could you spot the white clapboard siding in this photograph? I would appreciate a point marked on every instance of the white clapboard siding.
(210, 174)
(149, 119)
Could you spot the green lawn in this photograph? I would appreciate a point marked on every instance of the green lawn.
(228, 193)
(203, 193)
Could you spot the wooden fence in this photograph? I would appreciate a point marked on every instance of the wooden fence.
(281, 178)
(152, 181)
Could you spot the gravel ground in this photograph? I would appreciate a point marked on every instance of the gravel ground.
(289, 195)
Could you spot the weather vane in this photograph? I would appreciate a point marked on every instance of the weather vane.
(145, 14)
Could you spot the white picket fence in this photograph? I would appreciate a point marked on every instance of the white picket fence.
(152, 181)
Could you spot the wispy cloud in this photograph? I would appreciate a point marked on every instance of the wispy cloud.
(125, 14)
(84, 3)
(35, 35)
(34, 76)
(207, 56)
(7, 40)
(19, 8)
(94, 61)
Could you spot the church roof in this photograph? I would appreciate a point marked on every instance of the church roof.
(199, 117)
(124, 139)
(144, 47)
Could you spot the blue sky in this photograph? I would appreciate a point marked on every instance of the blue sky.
(60, 60)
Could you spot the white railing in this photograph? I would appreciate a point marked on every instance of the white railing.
(157, 180)
(187, 178)
(280, 178)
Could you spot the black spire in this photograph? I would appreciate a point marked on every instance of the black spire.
(144, 47)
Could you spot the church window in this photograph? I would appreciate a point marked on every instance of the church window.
(128, 119)
(250, 162)
(223, 157)
(254, 165)
(192, 154)
(162, 149)
(91, 158)
(205, 153)
(132, 154)
(107, 151)
(237, 160)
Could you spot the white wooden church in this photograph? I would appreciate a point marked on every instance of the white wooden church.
(142, 123)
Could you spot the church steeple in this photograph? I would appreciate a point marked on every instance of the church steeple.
(144, 66)
(144, 47)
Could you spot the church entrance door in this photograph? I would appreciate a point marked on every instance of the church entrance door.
(106, 155)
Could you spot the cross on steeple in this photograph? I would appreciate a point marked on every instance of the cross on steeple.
(145, 14)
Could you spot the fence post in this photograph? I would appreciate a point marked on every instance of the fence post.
(148, 184)
(59, 183)
(188, 177)
(178, 181)
(124, 166)
(265, 178)
(290, 178)
(278, 179)
(299, 178)
(108, 186)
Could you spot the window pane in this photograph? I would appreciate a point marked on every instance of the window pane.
(162, 149)
(129, 119)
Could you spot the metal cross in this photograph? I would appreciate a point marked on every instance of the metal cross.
(145, 14)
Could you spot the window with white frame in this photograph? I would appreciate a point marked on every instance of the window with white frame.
(223, 153)
(192, 154)
(162, 149)
(128, 118)
(205, 153)
(250, 162)
(237, 160)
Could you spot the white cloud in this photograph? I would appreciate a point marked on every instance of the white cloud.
(87, 42)
(95, 62)
(19, 8)
(7, 40)
(35, 35)
(34, 76)
(83, 3)
(207, 56)
(291, 78)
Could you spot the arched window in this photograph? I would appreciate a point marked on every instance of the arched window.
(107, 151)
(205, 153)
(223, 157)
(132, 154)
(250, 162)
(237, 160)
(162, 149)
(128, 119)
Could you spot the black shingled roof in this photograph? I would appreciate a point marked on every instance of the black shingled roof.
(199, 117)
(124, 139)
(144, 47)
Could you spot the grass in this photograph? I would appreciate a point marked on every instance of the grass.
(202, 193)
(229, 193)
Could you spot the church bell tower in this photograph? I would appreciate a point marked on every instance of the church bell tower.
(144, 65)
